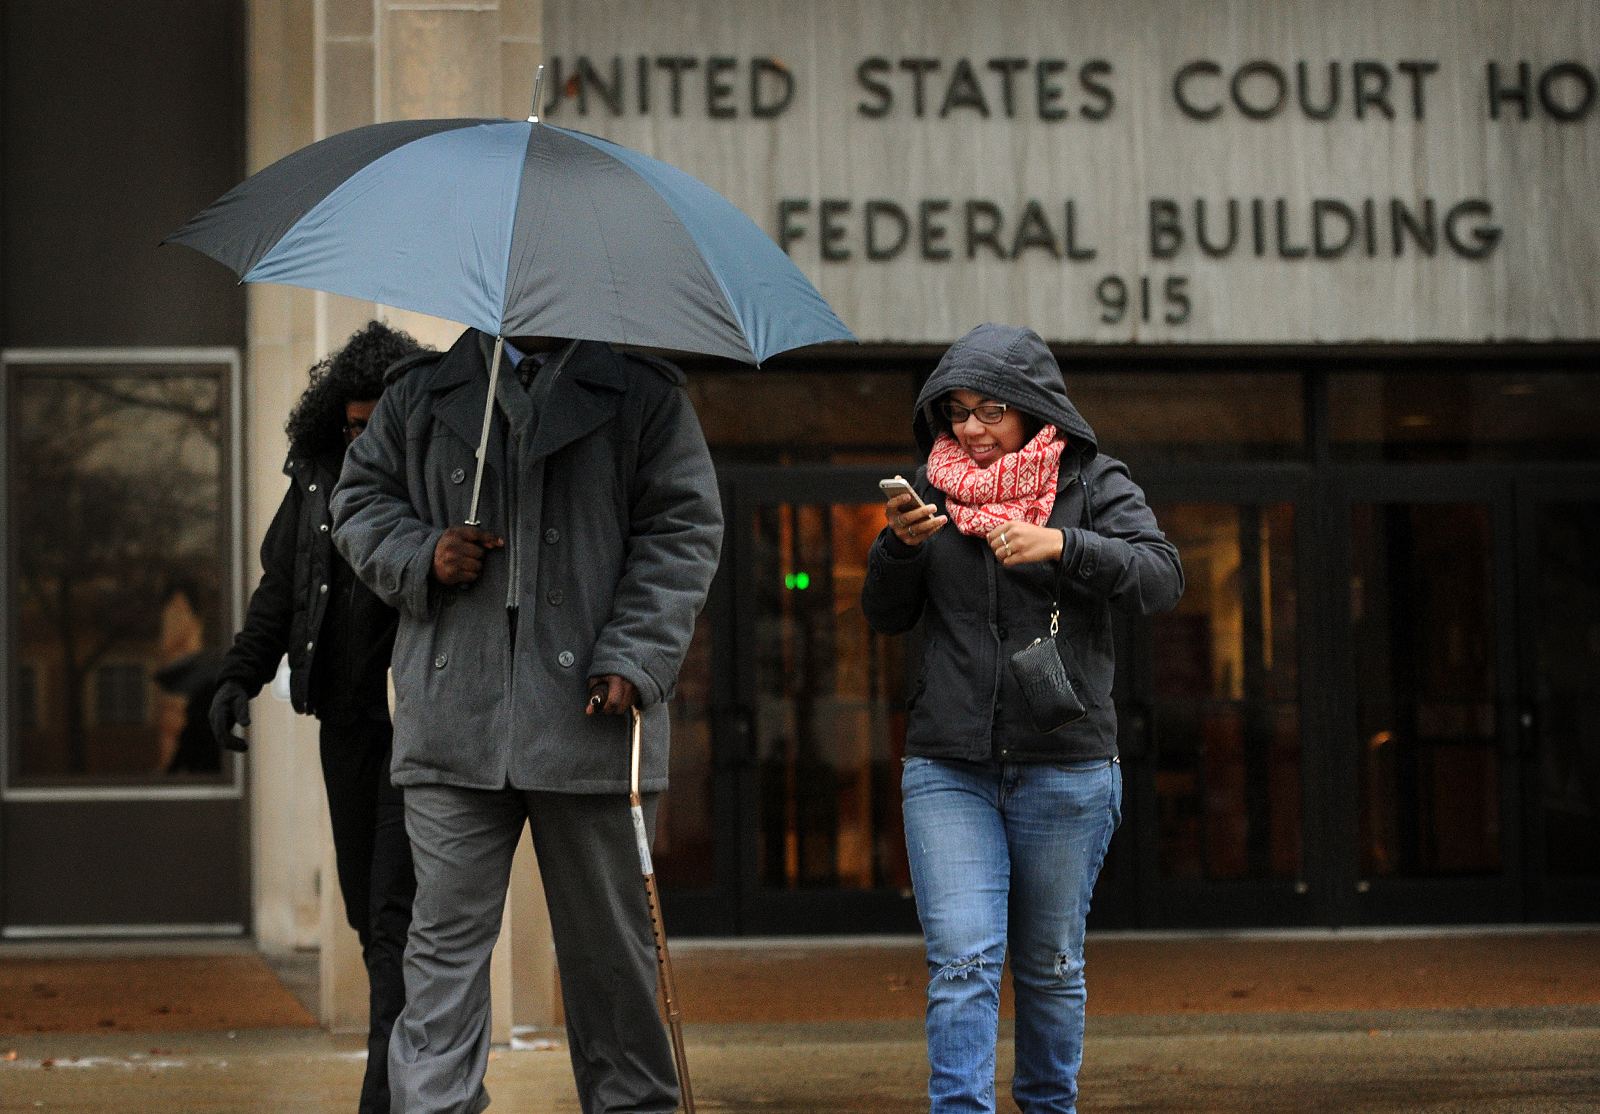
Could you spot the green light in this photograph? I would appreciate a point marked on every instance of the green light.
(797, 581)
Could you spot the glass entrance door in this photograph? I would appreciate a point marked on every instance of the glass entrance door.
(1427, 741)
(1558, 713)
(1374, 704)
(789, 724)
(1217, 742)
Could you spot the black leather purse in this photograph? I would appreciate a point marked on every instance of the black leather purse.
(1041, 674)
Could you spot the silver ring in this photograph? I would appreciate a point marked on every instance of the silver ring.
(1008, 547)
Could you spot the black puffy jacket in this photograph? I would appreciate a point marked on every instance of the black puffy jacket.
(975, 613)
(289, 607)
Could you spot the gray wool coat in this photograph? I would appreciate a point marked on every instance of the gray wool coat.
(608, 503)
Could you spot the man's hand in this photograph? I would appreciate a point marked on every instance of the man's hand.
(1019, 542)
(228, 707)
(611, 694)
(458, 558)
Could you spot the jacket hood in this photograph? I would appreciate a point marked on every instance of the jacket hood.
(1010, 365)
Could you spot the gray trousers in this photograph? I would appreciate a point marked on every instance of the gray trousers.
(462, 841)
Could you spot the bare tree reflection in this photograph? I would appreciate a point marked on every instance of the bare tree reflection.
(115, 510)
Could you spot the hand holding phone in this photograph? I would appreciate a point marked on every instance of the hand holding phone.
(912, 520)
(898, 485)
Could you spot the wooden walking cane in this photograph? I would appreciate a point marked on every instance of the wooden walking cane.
(669, 989)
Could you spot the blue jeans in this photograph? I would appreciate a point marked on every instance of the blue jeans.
(1006, 854)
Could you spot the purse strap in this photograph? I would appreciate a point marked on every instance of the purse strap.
(1086, 523)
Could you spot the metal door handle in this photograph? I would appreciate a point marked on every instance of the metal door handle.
(733, 736)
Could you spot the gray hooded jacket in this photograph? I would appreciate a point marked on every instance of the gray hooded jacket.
(608, 502)
(975, 613)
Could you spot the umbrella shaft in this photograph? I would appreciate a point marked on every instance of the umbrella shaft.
(483, 438)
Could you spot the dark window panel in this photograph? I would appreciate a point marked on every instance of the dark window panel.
(123, 118)
(1445, 416)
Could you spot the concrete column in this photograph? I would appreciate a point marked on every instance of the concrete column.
(320, 67)
(286, 799)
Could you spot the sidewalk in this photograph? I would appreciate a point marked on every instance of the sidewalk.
(1496, 1021)
(1176, 974)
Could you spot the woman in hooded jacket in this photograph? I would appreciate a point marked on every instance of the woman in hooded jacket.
(1007, 824)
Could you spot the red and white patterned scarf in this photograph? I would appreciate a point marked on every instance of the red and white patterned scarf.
(1018, 485)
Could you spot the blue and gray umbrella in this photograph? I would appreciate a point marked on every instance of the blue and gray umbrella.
(519, 229)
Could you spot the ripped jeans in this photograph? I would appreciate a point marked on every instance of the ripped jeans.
(1006, 854)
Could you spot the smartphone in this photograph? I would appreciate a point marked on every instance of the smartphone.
(896, 486)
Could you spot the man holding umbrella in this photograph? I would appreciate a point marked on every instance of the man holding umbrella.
(593, 552)
(596, 535)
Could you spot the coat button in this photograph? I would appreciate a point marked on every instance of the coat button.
(554, 596)
(440, 660)
(458, 475)
(552, 535)
(1002, 633)
(323, 527)
(322, 587)
(310, 645)
(313, 487)
(566, 659)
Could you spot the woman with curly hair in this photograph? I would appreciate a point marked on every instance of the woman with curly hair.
(338, 636)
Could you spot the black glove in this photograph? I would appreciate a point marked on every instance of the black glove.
(231, 705)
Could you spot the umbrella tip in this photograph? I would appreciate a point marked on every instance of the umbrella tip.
(538, 84)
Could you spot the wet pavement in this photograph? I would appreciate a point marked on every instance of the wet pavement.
(1518, 1061)
(1503, 1021)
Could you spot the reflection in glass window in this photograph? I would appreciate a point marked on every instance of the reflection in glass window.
(1455, 416)
(116, 513)
(1225, 683)
(27, 698)
(1147, 418)
(119, 694)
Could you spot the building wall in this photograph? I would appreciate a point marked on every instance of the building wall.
(807, 116)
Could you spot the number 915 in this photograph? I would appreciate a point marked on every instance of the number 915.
(1113, 294)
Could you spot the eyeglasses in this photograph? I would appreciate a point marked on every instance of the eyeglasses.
(989, 413)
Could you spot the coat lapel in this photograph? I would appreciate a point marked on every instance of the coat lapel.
(462, 383)
(583, 399)
(585, 396)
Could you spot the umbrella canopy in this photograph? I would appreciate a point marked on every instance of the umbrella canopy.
(519, 229)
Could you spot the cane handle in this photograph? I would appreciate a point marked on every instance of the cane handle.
(633, 772)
